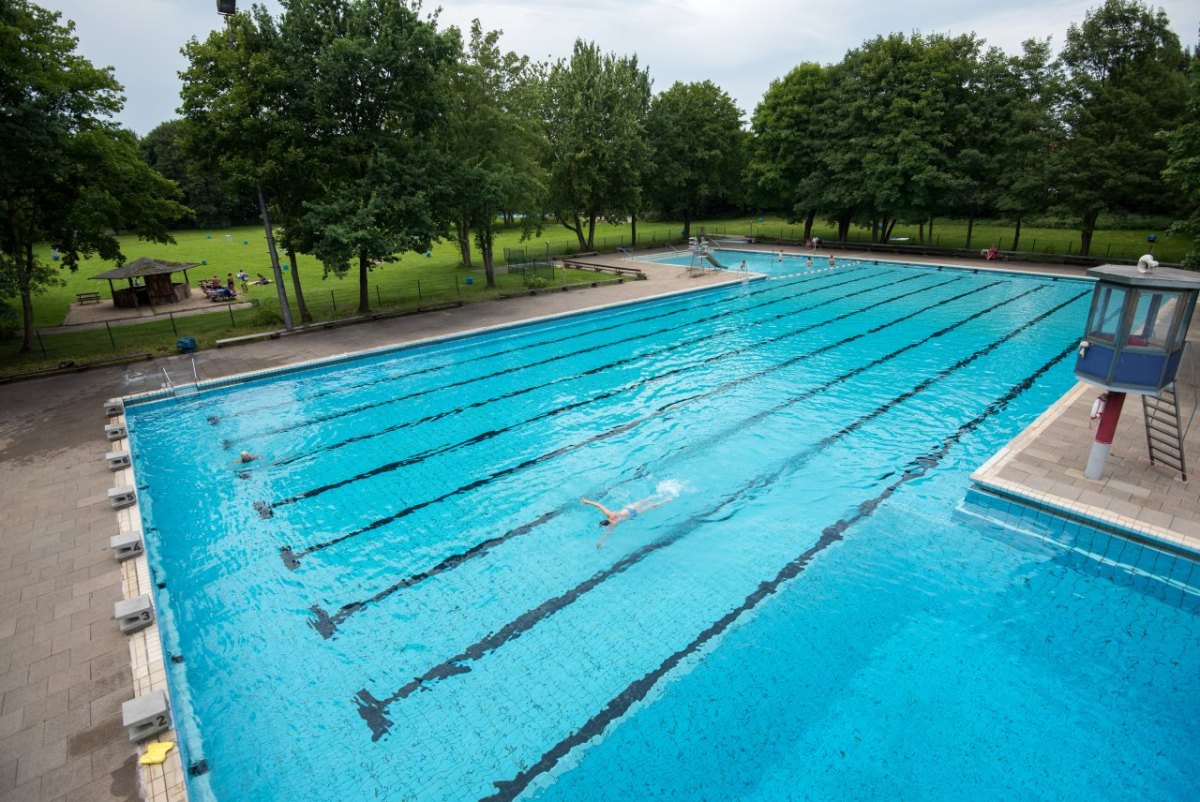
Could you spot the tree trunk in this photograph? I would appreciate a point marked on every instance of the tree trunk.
(1085, 235)
(874, 230)
(921, 233)
(632, 230)
(687, 225)
(578, 229)
(286, 217)
(931, 241)
(591, 237)
(808, 224)
(970, 225)
(887, 231)
(464, 242)
(305, 315)
(24, 277)
(1016, 234)
(486, 240)
(843, 225)
(364, 297)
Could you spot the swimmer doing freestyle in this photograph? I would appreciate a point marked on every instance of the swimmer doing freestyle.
(628, 512)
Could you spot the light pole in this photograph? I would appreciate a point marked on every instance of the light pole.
(227, 8)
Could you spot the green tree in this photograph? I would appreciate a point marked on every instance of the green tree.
(246, 104)
(372, 107)
(905, 102)
(695, 133)
(213, 204)
(492, 144)
(1183, 166)
(67, 174)
(1030, 134)
(596, 106)
(791, 134)
(1125, 84)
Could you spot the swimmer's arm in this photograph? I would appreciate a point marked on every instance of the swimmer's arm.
(597, 505)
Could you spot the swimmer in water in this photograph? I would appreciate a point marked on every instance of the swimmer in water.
(626, 513)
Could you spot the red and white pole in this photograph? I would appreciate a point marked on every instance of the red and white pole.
(1108, 411)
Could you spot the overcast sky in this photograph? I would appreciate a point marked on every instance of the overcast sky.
(741, 47)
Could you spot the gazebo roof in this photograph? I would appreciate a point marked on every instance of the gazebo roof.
(146, 267)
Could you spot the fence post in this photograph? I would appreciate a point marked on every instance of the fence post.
(232, 322)
(173, 328)
(419, 295)
(41, 344)
(457, 289)
(333, 300)
(378, 296)
(1033, 247)
(110, 334)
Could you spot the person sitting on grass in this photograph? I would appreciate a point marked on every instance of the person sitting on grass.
(262, 279)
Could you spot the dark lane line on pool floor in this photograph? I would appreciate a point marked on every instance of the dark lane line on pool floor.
(627, 360)
(373, 710)
(327, 624)
(320, 419)
(618, 706)
(681, 301)
(291, 557)
(641, 382)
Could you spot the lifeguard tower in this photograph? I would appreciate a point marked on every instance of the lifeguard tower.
(1134, 343)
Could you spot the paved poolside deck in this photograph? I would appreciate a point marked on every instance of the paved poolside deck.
(64, 667)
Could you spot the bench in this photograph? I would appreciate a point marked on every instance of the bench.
(87, 297)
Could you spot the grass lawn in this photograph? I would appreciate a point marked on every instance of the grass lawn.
(417, 279)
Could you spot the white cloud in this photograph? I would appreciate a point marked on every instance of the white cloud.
(740, 48)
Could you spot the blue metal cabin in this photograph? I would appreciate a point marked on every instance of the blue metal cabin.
(1137, 327)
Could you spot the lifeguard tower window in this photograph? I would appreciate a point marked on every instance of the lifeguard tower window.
(1152, 319)
(1106, 314)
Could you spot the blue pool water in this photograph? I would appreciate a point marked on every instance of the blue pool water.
(769, 263)
(403, 598)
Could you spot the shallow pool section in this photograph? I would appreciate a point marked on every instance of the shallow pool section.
(403, 598)
(776, 264)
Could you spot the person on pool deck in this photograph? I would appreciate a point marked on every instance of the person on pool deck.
(626, 513)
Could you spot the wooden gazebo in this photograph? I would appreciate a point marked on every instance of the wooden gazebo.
(149, 282)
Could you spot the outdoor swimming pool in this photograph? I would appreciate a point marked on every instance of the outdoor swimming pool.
(402, 598)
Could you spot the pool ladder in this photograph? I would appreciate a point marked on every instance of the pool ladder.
(1164, 430)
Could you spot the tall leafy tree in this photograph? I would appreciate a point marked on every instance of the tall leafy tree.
(213, 204)
(372, 106)
(791, 134)
(491, 144)
(695, 134)
(1183, 166)
(1125, 85)
(1030, 135)
(596, 106)
(67, 173)
(245, 105)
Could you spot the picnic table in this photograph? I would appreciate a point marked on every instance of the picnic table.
(87, 297)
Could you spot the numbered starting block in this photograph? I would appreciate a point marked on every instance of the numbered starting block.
(117, 460)
(119, 497)
(115, 431)
(134, 614)
(114, 407)
(126, 545)
(146, 716)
